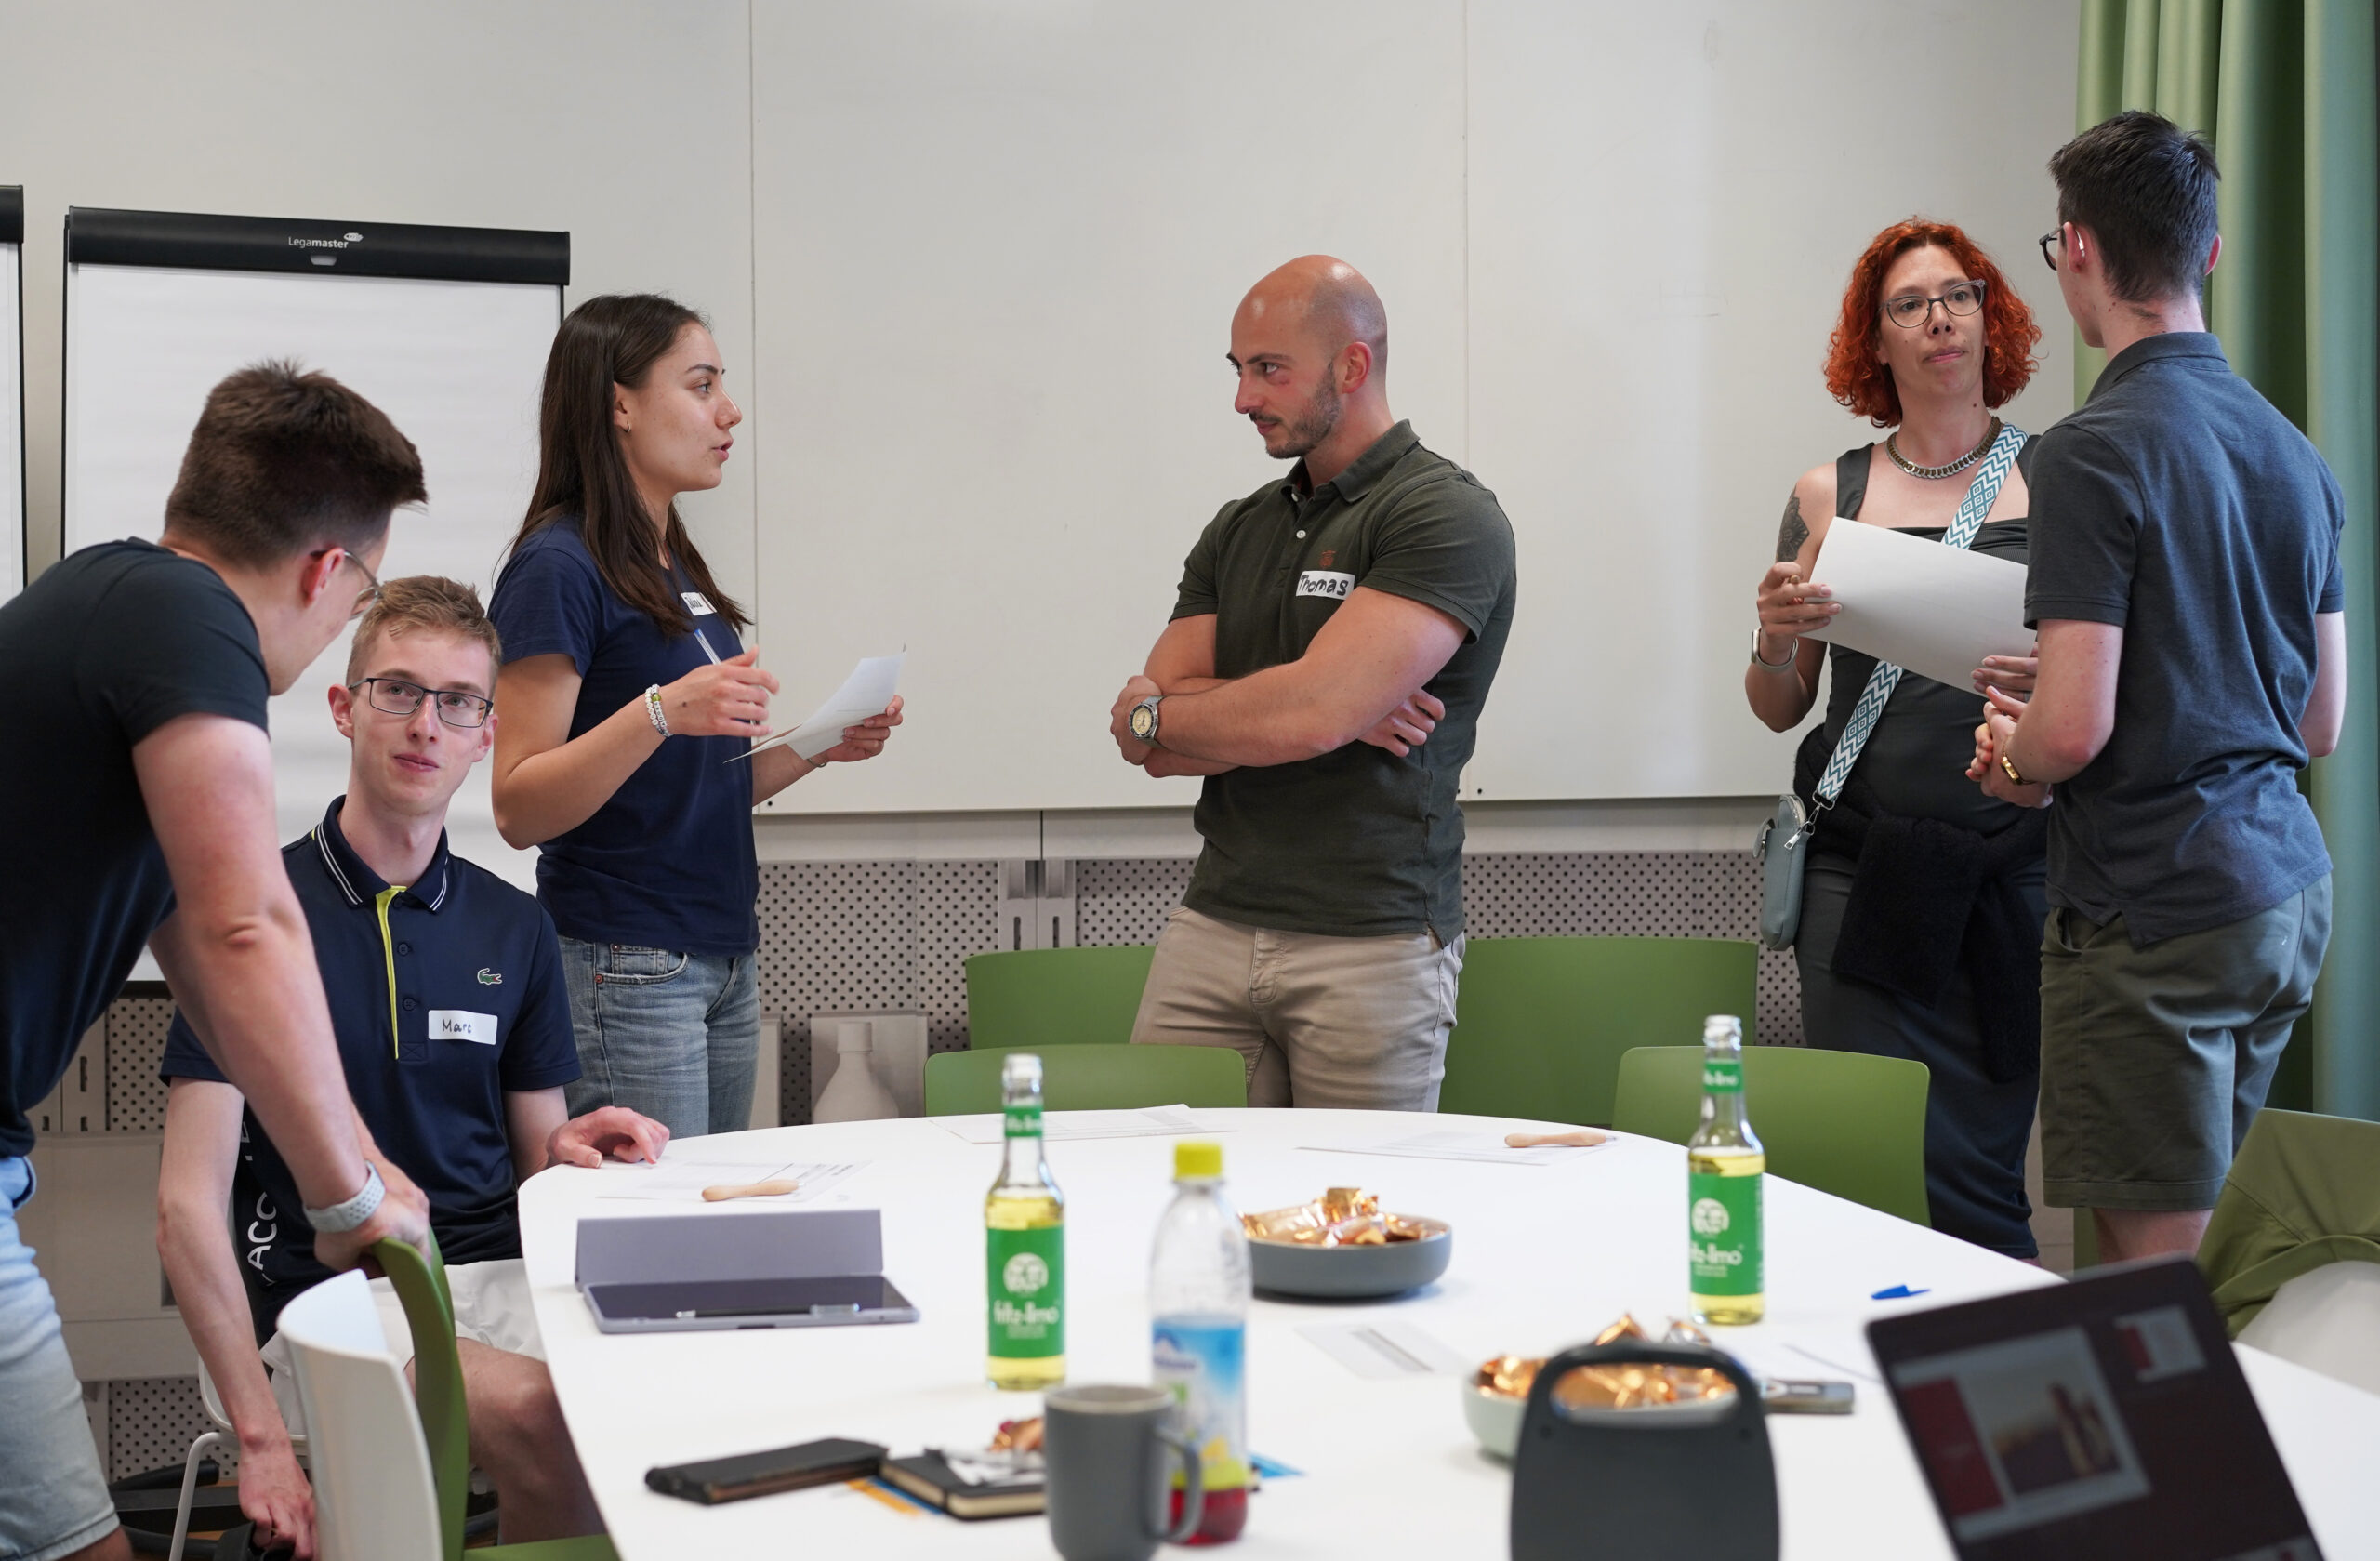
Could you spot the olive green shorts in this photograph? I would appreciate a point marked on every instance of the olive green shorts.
(2155, 1059)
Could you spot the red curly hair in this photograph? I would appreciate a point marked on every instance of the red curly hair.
(1859, 382)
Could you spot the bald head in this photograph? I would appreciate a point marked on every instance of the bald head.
(1326, 300)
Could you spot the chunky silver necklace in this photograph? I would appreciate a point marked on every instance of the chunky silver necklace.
(1935, 473)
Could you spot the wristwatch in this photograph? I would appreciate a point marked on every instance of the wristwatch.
(2010, 766)
(1778, 668)
(340, 1218)
(1142, 723)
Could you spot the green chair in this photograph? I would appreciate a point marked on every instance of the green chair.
(1057, 996)
(1844, 1122)
(438, 1394)
(2303, 1193)
(1540, 1023)
(1092, 1078)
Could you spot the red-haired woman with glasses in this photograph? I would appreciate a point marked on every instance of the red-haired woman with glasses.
(1922, 901)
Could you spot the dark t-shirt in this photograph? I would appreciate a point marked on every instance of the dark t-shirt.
(2178, 505)
(669, 861)
(101, 651)
(1357, 842)
(459, 1000)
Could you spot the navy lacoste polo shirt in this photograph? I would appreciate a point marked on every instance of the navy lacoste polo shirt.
(446, 995)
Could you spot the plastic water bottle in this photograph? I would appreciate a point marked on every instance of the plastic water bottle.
(1199, 1292)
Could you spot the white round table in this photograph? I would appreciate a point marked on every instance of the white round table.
(1544, 1257)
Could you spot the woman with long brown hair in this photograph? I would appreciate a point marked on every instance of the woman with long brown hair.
(624, 693)
(1922, 901)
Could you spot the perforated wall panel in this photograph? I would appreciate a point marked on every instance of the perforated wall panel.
(152, 1421)
(137, 1029)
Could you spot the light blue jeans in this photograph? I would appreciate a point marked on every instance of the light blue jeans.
(53, 1499)
(674, 1036)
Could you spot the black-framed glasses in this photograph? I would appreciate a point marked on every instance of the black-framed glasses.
(2055, 235)
(1913, 310)
(456, 707)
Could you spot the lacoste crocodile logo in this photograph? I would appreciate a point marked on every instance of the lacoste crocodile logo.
(490, 978)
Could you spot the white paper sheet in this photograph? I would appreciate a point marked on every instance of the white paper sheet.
(682, 1181)
(1385, 1349)
(1936, 611)
(1156, 1122)
(867, 692)
(1488, 1148)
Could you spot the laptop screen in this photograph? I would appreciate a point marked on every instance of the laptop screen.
(2104, 1419)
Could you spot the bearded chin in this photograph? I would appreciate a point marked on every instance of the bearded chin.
(1312, 426)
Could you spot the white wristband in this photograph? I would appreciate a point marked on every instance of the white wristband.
(340, 1218)
(653, 711)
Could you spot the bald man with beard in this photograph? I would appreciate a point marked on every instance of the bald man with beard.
(1331, 650)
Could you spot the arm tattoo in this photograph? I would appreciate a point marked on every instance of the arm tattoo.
(1792, 531)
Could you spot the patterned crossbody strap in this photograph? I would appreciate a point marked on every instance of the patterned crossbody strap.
(1886, 676)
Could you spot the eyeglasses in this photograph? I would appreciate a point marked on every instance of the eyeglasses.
(1913, 310)
(371, 591)
(397, 698)
(2055, 235)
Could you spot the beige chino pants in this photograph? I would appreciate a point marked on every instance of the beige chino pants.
(1358, 1022)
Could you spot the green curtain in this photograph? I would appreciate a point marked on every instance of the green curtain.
(2284, 89)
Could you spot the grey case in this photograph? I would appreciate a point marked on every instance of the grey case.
(737, 1270)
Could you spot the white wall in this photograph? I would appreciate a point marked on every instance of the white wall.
(627, 125)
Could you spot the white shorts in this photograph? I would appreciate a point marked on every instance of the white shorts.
(491, 1307)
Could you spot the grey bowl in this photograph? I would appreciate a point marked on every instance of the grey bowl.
(1352, 1273)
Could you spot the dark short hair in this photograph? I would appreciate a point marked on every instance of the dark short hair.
(2146, 191)
(429, 602)
(284, 461)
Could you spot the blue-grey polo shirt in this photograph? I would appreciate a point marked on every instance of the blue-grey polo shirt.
(446, 995)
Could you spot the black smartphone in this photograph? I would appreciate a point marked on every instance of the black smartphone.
(763, 1474)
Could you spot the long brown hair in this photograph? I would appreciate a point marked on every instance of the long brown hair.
(605, 341)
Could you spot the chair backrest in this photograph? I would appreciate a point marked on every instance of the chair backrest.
(420, 1283)
(1844, 1122)
(375, 1499)
(1540, 1023)
(2303, 1191)
(1057, 996)
(1092, 1078)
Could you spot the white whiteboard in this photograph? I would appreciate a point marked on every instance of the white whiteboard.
(457, 365)
(996, 250)
(12, 420)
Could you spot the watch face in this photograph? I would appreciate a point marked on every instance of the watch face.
(1144, 722)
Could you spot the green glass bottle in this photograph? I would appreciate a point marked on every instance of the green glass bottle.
(1724, 1171)
(1024, 1244)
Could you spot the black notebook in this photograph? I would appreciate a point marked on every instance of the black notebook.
(930, 1479)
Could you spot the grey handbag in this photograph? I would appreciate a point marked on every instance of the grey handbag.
(1782, 849)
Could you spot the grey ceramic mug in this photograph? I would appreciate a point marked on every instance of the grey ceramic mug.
(1105, 1449)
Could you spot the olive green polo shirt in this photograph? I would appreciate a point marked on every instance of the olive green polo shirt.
(1357, 842)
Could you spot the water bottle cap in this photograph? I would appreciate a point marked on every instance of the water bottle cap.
(1197, 1159)
(1020, 1068)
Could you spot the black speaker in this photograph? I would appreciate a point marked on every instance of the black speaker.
(1693, 1482)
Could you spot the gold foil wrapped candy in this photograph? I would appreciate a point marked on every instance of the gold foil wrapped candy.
(1341, 1217)
(1615, 1387)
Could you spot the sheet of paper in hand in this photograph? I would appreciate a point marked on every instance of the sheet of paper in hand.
(867, 691)
(1931, 610)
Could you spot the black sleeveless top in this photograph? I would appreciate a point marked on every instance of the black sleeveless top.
(1916, 758)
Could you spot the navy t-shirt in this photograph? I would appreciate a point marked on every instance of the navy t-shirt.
(457, 1002)
(2178, 505)
(668, 862)
(101, 651)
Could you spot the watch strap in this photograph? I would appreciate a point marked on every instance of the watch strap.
(340, 1218)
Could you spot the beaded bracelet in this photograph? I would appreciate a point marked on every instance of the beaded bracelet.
(652, 709)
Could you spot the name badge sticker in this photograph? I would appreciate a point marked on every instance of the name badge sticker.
(461, 1024)
(1326, 582)
(697, 603)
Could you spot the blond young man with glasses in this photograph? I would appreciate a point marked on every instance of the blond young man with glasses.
(454, 1029)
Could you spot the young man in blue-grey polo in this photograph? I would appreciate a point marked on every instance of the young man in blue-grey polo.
(2185, 580)
(453, 1023)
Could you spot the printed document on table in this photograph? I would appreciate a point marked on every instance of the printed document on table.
(867, 692)
(1934, 611)
(1157, 1121)
(1486, 1146)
